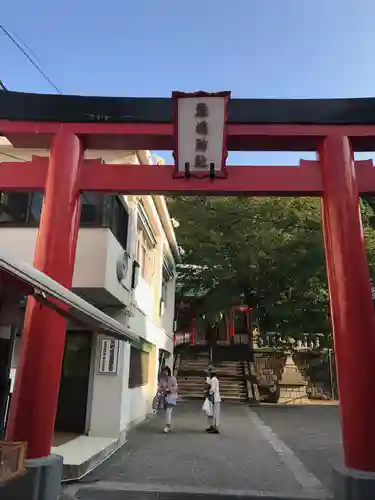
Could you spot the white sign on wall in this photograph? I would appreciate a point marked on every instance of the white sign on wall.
(108, 360)
(200, 133)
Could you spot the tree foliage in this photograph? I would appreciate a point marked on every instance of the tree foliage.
(267, 252)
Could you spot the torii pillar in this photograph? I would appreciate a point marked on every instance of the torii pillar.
(353, 317)
(35, 396)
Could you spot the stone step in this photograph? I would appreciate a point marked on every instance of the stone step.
(198, 362)
(224, 399)
(206, 364)
(199, 397)
(203, 375)
(221, 376)
(195, 362)
(234, 394)
(238, 387)
(201, 370)
(229, 363)
(199, 378)
(195, 390)
(222, 386)
(204, 367)
(203, 387)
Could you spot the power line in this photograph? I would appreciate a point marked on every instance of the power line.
(29, 49)
(36, 66)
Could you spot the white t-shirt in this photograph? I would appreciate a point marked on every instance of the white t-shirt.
(214, 388)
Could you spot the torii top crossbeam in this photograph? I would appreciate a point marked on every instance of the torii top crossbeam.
(147, 123)
(32, 120)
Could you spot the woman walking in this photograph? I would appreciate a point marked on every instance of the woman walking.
(215, 398)
(168, 387)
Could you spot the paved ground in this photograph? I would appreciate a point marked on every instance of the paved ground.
(259, 451)
(313, 433)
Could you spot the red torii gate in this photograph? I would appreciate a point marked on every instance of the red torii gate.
(69, 124)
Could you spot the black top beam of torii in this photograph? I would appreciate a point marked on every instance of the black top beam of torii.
(68, 108)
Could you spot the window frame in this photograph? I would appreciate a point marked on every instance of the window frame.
(139, 368)
(26, 222)
(104, 217)
(98, 222)
(146, 247)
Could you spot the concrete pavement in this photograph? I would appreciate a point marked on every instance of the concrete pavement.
(312, 432)
(256, 455)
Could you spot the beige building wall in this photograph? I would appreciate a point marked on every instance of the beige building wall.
(112, 405)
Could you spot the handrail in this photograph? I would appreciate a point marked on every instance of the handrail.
(252, 376)
(250, 393)
(176, 365)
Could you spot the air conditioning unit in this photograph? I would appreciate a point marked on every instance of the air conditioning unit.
(122, 268)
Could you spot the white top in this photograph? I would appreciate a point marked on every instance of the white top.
(214, 388)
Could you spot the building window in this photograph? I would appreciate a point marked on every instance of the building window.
(164, 292)
(109, 211)
(168, 275)
(21, 208)
(35, 207)
(138, 368)
(92, 209)
(116, 218)
(119, 222)
(146, 252)
(163, 299)
(24, 209)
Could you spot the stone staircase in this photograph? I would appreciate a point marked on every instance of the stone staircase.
(191, 379)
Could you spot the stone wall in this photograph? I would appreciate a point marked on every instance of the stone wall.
(319, 372)
(293, 377)
(267, 368)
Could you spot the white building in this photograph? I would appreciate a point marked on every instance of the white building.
(125, 265)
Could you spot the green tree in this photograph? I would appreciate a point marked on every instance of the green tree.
(264, 251)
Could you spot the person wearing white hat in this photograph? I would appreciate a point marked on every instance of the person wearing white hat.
(215, 398)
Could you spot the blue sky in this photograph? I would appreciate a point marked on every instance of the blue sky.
(255, 48)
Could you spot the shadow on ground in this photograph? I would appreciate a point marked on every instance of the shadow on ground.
(239, 459)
